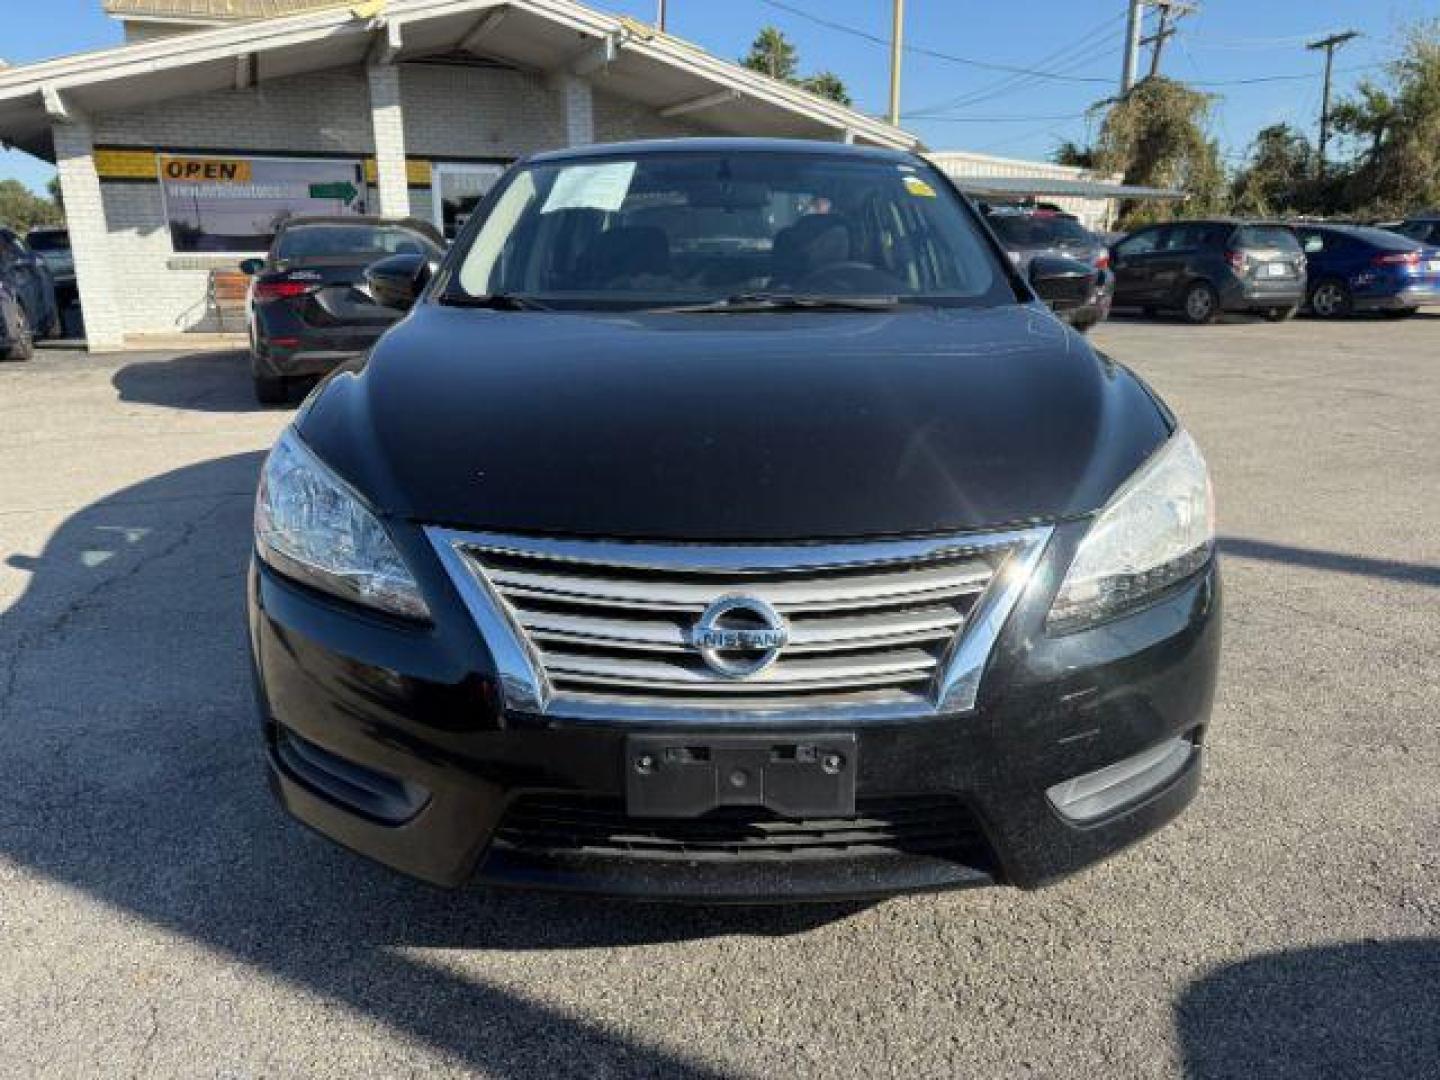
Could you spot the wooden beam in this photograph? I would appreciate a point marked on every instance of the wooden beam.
(599, 55)
(709, 101)
(56, 108)
(483, 28)
(387, 43)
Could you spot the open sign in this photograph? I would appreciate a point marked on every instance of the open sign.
(206, 170)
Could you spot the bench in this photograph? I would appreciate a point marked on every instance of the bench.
(229, 293)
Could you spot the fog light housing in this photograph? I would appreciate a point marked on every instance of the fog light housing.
(1094, 795)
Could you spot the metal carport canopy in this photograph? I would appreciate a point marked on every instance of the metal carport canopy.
(1059, 187)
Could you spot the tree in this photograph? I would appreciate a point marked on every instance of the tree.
(1397, 165)
(21, 209)
(772, 54)
(1276, 176)
(1155, 137)
(827, 85)
(1073, 154)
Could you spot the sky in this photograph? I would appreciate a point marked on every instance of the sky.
(948, 96)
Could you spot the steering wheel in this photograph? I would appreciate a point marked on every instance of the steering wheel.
(849, 276)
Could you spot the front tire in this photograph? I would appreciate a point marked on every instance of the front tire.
(23, 347)
(1331, 299)
(1201, 304)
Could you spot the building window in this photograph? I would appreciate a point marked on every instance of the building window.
(236, 203)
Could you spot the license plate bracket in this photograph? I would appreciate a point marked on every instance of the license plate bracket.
(682, 776)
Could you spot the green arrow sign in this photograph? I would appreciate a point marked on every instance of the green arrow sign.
(344, 191)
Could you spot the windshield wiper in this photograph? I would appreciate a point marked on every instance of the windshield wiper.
(780, 301)
(501, 301)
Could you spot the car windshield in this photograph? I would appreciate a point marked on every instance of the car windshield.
(48, 242)
(697, 227)
(368, 241)
(1038, 230)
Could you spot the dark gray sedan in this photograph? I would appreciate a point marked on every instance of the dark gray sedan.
(1028, 233)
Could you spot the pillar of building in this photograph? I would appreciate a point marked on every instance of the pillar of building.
(89, 234)
(577, 105)
(387, 118)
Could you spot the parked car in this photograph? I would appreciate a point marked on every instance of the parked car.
(53, 248)
(31, 310)
(1207, 268)
(1028, 233)
(1352, 268)
(735, 573)
(309, 309)
(1422, 227)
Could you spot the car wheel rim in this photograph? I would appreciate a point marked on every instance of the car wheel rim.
(1199, 304)
(1327, 300)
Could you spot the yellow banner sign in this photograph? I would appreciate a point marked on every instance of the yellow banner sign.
(119, 164)
(205, 170)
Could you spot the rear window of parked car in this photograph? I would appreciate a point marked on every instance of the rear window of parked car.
(1266, 236)
(311, 241)
(1036, 230)
(48, 241)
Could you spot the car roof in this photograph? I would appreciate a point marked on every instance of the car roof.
(735, 145)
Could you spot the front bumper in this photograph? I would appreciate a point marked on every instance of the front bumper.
(389, 738)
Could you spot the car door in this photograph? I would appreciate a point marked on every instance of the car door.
(1172, 266)
(1130, 261)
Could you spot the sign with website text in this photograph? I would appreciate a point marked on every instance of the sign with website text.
(206, 170)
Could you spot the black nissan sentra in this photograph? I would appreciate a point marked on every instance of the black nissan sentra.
(730, 521)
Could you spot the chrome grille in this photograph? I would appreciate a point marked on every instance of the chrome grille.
(582, 627)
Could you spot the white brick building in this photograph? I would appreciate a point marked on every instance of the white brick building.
(176, 150)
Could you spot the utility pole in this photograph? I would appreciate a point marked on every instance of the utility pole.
(1168, 10)
(1132, 45)
(897, 46)
(1329, 44)
(660, 16)
(1134, 28)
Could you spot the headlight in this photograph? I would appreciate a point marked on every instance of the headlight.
(1158, 529)
(311, 526)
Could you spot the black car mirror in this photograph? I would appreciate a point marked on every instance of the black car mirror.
(1064, 284)
(397, 281)
(252, 266)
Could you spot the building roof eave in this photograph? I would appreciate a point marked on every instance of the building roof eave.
(534, 33)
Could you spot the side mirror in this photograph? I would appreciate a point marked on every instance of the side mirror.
(252, 266)
(1064, 284)
(397, 281)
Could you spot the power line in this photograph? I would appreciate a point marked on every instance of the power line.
(1097, 39)
(941, 118)
(934, 54)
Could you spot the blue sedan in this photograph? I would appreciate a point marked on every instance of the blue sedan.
(1351, 269)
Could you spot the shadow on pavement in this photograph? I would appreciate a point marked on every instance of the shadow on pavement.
(202, 381)
(133, 773)
(1362, 1009)
(1314, 559)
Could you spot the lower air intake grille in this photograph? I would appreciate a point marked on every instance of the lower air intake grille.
(915, 825)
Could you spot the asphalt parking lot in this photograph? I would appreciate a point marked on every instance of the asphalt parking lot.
(159, 917)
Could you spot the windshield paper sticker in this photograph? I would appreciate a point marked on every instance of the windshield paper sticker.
(590, 187)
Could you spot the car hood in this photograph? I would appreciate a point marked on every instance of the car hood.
(769, 426)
